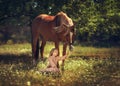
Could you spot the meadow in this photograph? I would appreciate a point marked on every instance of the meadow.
(85, 66)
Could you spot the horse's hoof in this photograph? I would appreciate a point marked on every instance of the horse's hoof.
(34, 62)
(62, 68)
(42, 59)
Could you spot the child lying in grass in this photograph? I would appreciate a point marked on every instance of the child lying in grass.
(54, 61)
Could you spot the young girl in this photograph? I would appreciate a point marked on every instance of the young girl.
(54, 61)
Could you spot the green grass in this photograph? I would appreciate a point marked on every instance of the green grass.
(81, 67)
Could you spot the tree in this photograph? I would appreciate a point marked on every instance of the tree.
(96, 20)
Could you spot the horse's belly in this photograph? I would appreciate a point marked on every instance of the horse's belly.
(47, 32)
(49, 36)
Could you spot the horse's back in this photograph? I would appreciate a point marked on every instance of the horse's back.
(43, 24)
(45, 17)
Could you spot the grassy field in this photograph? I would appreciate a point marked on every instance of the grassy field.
(85, 66)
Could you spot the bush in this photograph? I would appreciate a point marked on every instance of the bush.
(10, 41)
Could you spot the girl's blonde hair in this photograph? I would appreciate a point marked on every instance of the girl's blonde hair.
(52, 50)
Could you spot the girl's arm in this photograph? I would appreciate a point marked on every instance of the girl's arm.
(63, 57)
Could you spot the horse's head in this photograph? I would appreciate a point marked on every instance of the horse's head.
(65, 27)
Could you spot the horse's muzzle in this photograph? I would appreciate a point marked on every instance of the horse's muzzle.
(71, 47)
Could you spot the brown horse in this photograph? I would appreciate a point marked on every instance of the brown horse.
(58, 28)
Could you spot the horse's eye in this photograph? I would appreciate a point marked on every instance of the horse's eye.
(72, 30)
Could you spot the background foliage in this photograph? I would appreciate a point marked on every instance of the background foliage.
(97, 21)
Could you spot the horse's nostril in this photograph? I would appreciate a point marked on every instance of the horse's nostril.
(71, 47)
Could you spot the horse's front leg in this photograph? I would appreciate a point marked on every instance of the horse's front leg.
(57, 47)
(64, 52)
(64, 48)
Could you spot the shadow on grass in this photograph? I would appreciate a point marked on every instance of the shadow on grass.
(9, 59)
(102, 73)
(22, 61)
(98, 44)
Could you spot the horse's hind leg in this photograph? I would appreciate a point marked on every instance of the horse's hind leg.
(35, 48)
(42, 48)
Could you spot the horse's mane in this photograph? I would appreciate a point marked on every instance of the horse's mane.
(65, 17)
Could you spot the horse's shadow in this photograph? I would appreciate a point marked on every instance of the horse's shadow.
(22, 61)
(10, 58)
